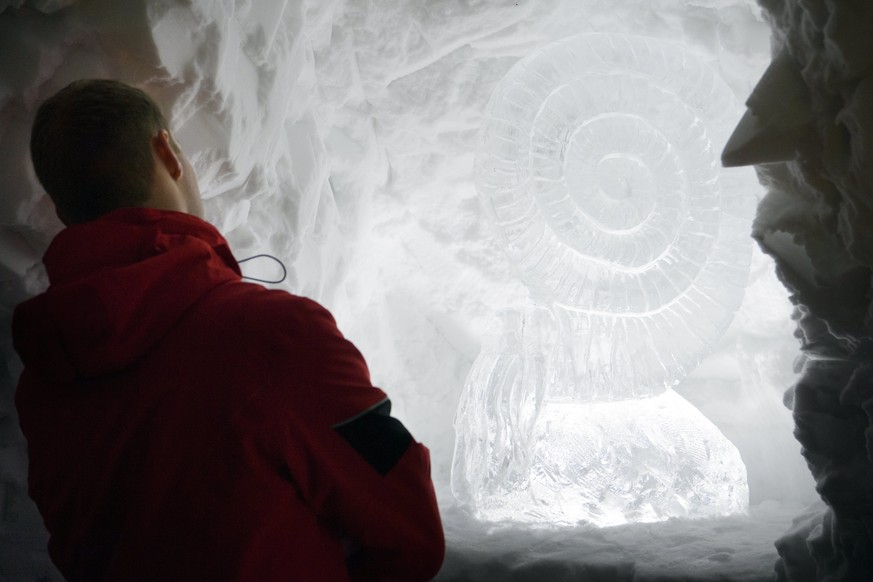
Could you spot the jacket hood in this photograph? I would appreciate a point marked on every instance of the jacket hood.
(118, 284)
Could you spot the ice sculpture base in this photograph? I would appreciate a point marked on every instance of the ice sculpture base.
(609, 463)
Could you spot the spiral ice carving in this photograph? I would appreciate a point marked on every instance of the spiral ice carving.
(599, 164)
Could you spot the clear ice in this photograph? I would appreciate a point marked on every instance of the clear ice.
(599, 167)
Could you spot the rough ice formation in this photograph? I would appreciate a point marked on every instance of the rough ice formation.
(637, 460)
(809, 124)
(598, 165)
(525, 455)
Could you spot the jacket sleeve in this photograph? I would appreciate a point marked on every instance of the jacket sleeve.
(359, 469)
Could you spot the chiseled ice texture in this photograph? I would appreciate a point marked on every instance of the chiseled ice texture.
(817, 124)
(635, 460)
(521, 456)
(599, 164)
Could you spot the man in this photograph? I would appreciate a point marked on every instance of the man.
(183, 424)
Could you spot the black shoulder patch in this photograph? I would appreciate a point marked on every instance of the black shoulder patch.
(377, 436)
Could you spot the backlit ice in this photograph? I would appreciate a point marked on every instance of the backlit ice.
(599, 165)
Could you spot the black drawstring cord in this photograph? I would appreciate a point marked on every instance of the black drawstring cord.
(284, 270)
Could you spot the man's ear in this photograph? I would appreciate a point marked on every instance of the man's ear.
(162, 146)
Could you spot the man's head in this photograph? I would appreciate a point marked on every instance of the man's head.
(98, 145)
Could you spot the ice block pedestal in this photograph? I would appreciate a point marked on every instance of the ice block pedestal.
(609, 463)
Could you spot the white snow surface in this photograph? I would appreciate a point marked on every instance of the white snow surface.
(732, 548)
(339, 136)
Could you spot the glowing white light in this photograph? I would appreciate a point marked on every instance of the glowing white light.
(599, 166)
(609, 463)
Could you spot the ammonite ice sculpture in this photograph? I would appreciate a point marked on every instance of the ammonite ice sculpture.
(599, 165)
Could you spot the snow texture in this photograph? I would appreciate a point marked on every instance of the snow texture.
(339, 136)
(727, 548)
(815, 221)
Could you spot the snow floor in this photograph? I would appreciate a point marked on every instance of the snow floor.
(736, 548)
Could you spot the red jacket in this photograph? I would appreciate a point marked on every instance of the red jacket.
(184, 425)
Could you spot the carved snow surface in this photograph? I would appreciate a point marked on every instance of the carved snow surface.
(599, 165)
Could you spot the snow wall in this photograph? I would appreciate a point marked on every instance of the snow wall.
(810, 119)
(339, 136)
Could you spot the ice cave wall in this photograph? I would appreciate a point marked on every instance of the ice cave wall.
(813, 123)
(339, 135)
